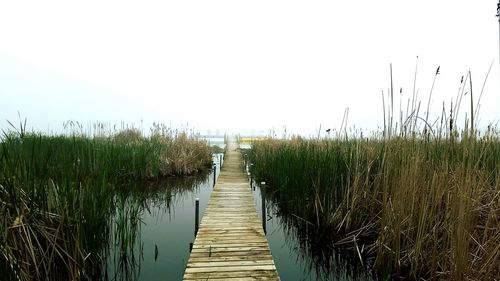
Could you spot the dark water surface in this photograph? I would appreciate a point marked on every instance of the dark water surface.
(159, 250)
(299, 252)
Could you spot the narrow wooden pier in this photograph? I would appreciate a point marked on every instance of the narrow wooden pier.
(231, 244)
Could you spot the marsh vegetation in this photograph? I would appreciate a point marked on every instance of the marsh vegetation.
(420, 198)
(423, 207)
(60, 196)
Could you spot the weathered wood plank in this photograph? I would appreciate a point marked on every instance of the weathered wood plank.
(231, 263)
(229, 268)
(230, 258)
(270, 274)
(231, 231)
(208, 254)
(210, 238)
(237, 248)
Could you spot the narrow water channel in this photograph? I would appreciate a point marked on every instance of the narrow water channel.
(302, 253)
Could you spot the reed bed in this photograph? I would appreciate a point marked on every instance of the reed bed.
(423, 207)
(57, 195)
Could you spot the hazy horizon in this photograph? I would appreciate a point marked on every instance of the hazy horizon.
(248, 67)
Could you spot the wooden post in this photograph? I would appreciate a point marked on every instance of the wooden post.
(215, 174)
(196, 216)
(263, 197)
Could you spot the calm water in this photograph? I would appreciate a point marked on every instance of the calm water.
(299, 253)
(157, 247)
(218, 141)
(161, 248)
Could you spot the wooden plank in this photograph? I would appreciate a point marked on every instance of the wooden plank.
(230, 258)
(270, 274)
(231, 244)
(263, 278)
(207, 254)
(229, 268)
(238, 263)
(239, 248)
(234, 231)
(209, 238)
(223, 246)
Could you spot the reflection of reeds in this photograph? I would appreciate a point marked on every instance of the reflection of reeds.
(314, 245)
(126, 227)
(56, 195)
(125, 248)
(430, 206)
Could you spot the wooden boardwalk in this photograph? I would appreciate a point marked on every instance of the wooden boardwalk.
(231, 244)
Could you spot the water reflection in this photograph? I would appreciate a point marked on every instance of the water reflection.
(126, 231)
(153, 226)
(303, 252)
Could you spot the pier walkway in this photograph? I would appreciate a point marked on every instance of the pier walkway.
(231, 243)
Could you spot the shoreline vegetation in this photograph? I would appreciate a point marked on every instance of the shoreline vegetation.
(420, 206)
(58, 195)
(420, 199)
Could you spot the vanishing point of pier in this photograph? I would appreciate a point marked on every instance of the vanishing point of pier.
(231, 243)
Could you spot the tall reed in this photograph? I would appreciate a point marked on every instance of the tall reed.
(57, 194)
(423, 207)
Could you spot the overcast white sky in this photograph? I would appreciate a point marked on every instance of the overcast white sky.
(243, 66)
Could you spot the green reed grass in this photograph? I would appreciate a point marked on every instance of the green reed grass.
(427, 208)
(57, 195)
